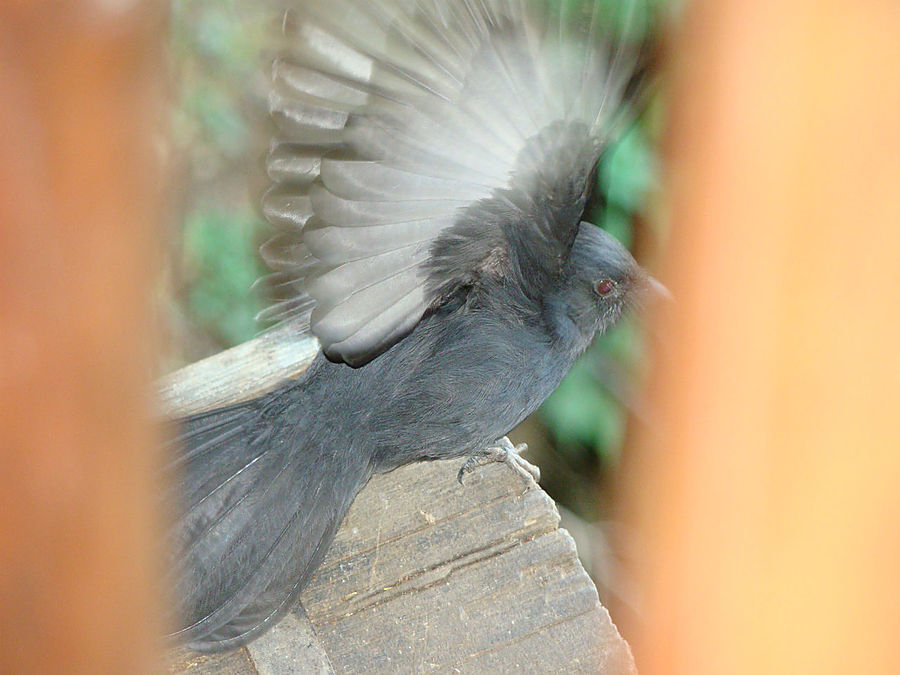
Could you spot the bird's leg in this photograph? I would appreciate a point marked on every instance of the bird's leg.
(502, 451)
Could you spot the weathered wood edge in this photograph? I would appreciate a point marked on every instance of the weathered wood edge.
(239, 373)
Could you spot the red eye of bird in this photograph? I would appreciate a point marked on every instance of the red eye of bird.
(605, 286)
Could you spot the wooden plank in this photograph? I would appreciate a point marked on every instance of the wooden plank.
(239, 373)
(183, 660)
(428, 575)
(425, 574)
(291, 647)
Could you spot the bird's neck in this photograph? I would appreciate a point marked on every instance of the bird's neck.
(563, 325)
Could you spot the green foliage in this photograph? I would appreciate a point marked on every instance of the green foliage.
(227, 33)
(221, 257)
(216, 46)
(588, 409)
(219, 133)
(629, 172)
(217, 118)
(581, 413)
(631, 19)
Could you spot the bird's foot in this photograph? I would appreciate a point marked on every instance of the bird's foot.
(503, 451)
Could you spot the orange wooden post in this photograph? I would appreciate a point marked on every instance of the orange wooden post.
(79, 179)
(771, 492)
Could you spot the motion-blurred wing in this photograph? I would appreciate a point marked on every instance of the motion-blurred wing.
(425, 143)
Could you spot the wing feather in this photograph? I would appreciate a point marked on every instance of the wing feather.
(374, 181)
(419, 138)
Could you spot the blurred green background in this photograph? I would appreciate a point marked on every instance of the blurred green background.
(220, 130)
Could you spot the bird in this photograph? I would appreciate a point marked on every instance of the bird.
(431, 166)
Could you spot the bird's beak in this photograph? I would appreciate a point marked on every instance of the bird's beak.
(650, 293)
(656, 292)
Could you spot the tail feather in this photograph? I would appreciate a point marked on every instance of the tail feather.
(262, 501)
(202, 432)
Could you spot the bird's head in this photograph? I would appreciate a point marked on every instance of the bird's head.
(601, 281)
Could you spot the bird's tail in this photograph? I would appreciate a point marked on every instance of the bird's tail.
(259, 503)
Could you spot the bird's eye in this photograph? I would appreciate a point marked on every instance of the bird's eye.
(605, 286)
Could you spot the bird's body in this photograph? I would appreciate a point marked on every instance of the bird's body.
(446, 261)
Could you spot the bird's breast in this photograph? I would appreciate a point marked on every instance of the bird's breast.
(462, 389)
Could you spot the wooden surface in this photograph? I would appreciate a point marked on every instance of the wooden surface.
(426, 575)
(239, 373)
(771, 489)
(80, 112)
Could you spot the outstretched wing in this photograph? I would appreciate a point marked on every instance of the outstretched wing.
(423, 144)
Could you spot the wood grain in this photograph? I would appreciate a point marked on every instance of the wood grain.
(239, 373)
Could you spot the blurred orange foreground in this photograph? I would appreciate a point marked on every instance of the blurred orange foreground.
(772, 490)
(79, 182)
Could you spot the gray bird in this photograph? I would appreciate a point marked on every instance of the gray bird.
(432, 165)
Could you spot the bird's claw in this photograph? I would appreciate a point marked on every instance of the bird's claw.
(503, 451)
